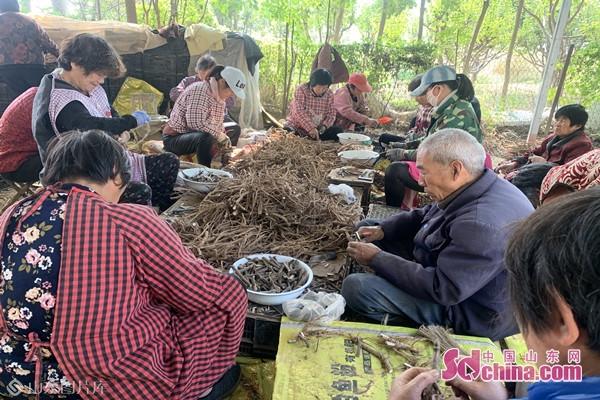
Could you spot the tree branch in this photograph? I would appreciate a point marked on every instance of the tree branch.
(577, 10)
(538, 20)
(204, 11)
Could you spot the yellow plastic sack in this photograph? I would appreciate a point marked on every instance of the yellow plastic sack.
(331, 367)
(257, 380)
(136, 94)
(382, 164)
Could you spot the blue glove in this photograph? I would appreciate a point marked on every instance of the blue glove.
(141, 117)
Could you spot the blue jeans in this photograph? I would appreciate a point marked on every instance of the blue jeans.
(373, 297)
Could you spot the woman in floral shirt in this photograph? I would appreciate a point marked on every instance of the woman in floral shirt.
(137, 316)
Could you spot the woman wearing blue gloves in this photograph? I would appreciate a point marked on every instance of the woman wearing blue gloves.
(72, 98)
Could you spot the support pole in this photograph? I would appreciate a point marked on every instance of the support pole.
(561, 85)
(548, 71)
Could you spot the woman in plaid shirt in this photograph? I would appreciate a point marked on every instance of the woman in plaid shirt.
(311, 112)
(196, 122)
(137, 316)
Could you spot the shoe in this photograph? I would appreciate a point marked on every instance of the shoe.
(226, 385)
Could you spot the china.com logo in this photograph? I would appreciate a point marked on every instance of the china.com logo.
(478, 366)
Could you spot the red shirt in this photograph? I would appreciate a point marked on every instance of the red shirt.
(16, 136)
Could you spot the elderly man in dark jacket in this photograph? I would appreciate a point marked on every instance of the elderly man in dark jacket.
(442, 264)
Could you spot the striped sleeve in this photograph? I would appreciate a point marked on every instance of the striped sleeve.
(173, 273)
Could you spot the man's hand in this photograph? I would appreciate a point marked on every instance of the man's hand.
(536, 159)
(410, 384)
(363, 253)
(478, 390)
(370, 233)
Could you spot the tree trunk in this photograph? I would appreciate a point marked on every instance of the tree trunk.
(511, 48)
(146, 12)
(384, 11)
(174, 4)
(156, 12)
(98, 11)
(560, 86)
(203, 12)
(26, 6)
(130, 9)
(339, 22)
(467, 59)
(421, 21)
(284, 100)
(60, 6)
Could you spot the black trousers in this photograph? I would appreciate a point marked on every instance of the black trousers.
(387, 138)
(29, 171)
(331, 133)
(233, 132)
(397, 178)
(161, 174)
(199, 143)
(328, 134)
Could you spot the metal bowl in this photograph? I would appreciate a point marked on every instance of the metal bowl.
(271, 299)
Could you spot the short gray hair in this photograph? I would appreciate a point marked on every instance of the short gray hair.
(205, 62)
(447, 145)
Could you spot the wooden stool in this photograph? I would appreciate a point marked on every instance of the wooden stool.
(359, 179)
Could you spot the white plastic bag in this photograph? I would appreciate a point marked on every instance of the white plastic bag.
(318, 307)
(344, 190)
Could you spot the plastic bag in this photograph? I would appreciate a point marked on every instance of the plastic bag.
(136, 94)
(344, 190)
(316, 307)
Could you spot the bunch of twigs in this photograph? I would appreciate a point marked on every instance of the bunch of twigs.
(308, 160)
(277, 203)
(310, 331)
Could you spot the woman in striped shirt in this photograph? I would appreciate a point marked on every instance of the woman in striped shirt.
(100, 300)
(196, 122)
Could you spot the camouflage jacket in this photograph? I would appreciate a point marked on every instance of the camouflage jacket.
(453, 113)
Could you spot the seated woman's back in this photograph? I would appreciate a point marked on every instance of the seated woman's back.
(31, 258)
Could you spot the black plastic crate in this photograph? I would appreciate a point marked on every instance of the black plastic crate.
(261, 336)
(381, 211)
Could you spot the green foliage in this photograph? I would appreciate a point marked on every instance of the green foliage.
(452, 23)
(584, 73)
(395, 59)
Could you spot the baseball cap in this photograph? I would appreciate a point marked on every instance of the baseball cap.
(440, 73)
(360, 81)
(236, 81)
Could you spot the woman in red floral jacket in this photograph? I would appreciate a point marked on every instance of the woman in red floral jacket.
(566, 143)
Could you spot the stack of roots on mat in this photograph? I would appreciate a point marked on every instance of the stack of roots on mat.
(277, 203)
